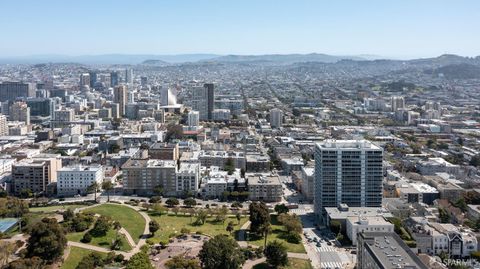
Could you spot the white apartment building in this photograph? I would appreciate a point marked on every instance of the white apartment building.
(188, 178)
(76, 180)
(360, 224)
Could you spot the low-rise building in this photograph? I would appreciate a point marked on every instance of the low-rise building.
(265, 188)
(360, 224)
(77, 179)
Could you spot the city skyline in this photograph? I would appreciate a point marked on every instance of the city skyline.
(403, 30)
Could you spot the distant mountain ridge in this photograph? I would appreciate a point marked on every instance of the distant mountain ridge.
(284, 59)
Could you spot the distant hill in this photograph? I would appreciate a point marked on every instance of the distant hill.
(457, 71)
(155, 62)
(446, 59)
(285, 58)
(106, 58)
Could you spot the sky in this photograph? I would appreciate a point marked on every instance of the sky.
(388, 28)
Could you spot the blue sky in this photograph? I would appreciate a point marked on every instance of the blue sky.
(392, 28)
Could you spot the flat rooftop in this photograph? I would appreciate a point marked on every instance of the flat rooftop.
(391, 252)
(347, 144)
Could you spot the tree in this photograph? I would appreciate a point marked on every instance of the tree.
(180, 262)
(68, 214)
(30, 263)
(101, 227)
(265, 230)
(158, 190)
(221, 252)
(12, 207)
(47, 240)
(153, 226)
(229, 166)
(336, 226)
(281, 208)
(291, 222)
(259, 217)
(230, 227)
(221, 214)
(107, 185)
(238, 216)
(158, 208)
(201, 217)
(190, 202)
(91, 261)
(276, 254)
(139, 261)
(93, 188)
(175, 210)
(172, 202)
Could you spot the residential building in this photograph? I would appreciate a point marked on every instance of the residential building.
(385, 250)
(203, 100)
(9, 91)
(120, 95)
(360, 224)
(64, 115)
(19, 111)
(397, 102)
(77, 179)
(347, 172)
(276, 118)
(164, 151)
(188, 177)
(3, 125)
(308, 182)
(35, 174)
(265, 188)
(142, 176)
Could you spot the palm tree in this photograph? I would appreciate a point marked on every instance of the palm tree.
(266, 229)
(107, 185)
(93, 187)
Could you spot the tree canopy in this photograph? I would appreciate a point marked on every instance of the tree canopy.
(221, 252)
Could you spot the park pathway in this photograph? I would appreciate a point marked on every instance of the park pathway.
(131, 241)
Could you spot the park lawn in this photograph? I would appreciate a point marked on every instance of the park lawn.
(103, 241)
(278, 231)
(75, 256)
(171, 224)
(293, 263)
(51, 209)
(130, 219)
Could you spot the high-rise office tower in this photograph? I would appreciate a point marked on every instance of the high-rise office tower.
(203, 100)
(129, 76)
(9, 91)
(113, 79)
(397, 102)
(40, 106)
(347, 172)
(93, 78)
(276, 118)
(120, 96)
(19, 111)
(85, 79)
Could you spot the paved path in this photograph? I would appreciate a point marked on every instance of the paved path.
(131, 241)
(94, 248)
(249, 264)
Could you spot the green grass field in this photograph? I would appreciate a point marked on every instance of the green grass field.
(75, 256)
(278, 231)
(130, 219)
(48, 209)
(170, 224)
(292, 264)
(104, 241)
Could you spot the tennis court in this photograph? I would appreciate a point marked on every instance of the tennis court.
(7, 223)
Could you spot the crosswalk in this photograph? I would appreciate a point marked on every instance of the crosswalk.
(331, 265)
(325, 249)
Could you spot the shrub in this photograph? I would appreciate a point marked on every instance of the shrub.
(293, 238)
(184, 231)
(150, 242)
(87, 238)
(119, 258)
